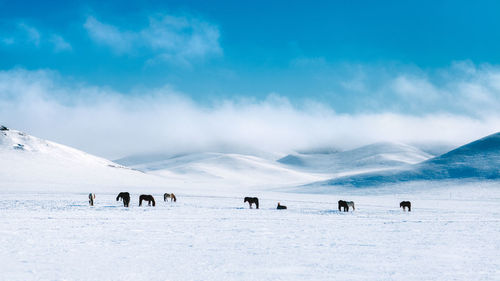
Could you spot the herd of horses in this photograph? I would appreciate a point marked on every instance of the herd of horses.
(125, 197)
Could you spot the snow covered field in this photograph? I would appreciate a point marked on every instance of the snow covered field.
(452, 233)
(48, 231)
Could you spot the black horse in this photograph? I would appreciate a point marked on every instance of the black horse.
(405, 204)
(148, 198)
(345, 205)
(280, 207)
(125, 196)
(252, 200)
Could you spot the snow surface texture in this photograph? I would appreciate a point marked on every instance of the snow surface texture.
(451, 234)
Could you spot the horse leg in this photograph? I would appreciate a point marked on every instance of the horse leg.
(409, 208)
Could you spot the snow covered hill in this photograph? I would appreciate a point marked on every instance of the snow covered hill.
(375, 156)
(476, 160)
(222, 169)
(30, 163)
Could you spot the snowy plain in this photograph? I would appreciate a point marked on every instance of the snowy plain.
(48, 231)
(452, 233)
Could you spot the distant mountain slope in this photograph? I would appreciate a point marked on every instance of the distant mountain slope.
(476, 160)
(30, 163)
(379, 155)
(218, 169)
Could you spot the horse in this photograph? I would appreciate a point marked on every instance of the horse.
(91, 199)
(345, 205)
(405, 204)
(280, 207)
(169, 195)
(148, 198)
(252, 200)
(125, 196)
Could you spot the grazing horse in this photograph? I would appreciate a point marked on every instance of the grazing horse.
(91, 199)
(125, 196)
(345, 205)
(169, 195)
(280, 207)
(405, 204)
(252, 200)
(148, 198)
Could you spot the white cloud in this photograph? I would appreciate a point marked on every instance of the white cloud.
(120, 41)
(59, 43)
(113, 124)
(32, 34)
(168, 38)
(8, 41)
(22, 33)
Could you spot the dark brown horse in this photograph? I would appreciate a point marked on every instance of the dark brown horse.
(148, 198)
(169, 195)
(280, 207)
(405, 204)
(345, 205)
(252, 200)
(125, 196)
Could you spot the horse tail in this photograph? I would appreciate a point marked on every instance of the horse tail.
(118, 197)
(140, 202)
(257, 203)
(153, 202)
(175, 198)
(165, 197)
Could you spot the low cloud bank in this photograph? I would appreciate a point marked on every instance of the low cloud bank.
(112, 124)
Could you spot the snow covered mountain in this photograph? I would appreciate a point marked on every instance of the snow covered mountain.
(30, 163)
(221, 169)
(476, 160)
(375, 156)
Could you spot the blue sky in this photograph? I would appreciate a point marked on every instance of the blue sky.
(415, 58)
(289, 47)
